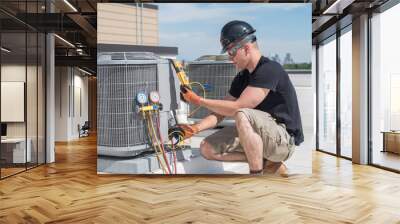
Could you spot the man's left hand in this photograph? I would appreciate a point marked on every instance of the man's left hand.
(189, 96)
(189, 130)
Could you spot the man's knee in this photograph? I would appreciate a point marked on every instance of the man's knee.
(241, 121)
(207, 151)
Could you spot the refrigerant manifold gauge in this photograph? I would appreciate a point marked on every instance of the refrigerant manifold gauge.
(141, 98)
(154, 97)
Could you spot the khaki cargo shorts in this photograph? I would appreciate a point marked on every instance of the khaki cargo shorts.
(278, 145)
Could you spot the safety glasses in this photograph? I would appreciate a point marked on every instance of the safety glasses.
(232, 51)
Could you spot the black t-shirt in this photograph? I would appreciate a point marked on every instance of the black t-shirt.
(281, 101)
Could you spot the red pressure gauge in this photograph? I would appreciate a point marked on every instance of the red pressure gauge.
(154, 97)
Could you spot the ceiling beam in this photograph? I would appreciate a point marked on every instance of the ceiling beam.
(338, 6)
(85, 61)
(86, 27)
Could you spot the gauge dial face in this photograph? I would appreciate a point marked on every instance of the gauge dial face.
(154, 97)
(141, 98)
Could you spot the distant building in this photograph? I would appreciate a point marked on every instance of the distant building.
(130, 27)
(276, 58)
(127, 24)
(288, 59)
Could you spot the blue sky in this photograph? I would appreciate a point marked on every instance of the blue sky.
(195, 28)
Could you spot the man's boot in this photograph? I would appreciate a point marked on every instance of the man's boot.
(276, 168)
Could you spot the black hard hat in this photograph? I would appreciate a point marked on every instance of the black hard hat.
(234, 31)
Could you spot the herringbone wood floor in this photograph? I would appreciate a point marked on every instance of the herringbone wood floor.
(70, 191)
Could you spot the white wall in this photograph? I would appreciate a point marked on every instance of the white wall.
(61, 103)
(71, 94)
(33, 125)
(80, 109)
(14, 73)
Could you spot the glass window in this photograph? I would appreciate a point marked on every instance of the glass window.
(22, 91)
(31, 97)
(385, 87)
(327, 96)
(14, 153)
(346, 93)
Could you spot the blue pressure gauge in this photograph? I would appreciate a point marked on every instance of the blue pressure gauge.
(141, 98)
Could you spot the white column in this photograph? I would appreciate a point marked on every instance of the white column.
(50, 92)
(314, 89)
(50, 99)
(360, 90)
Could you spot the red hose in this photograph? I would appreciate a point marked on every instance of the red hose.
(161, 143)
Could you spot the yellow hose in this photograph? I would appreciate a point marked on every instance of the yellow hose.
(204, 96)
(154, 146)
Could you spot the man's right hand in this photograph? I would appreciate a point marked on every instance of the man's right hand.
(189, 130)
(189, 96)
